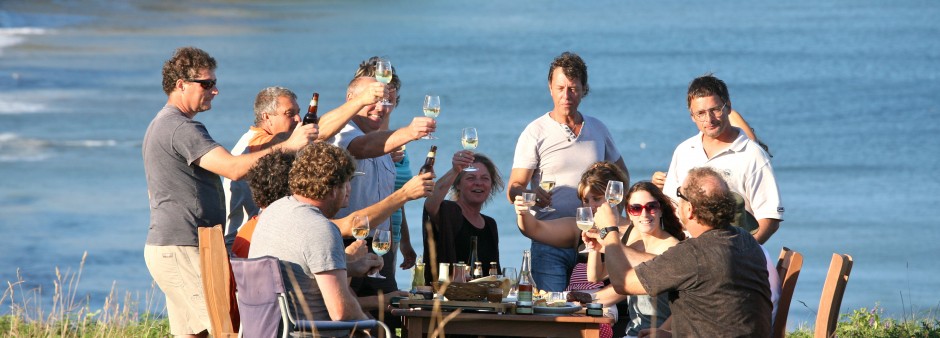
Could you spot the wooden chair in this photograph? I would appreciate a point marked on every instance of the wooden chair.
(217, 282)
(788, 268)
(831, 300)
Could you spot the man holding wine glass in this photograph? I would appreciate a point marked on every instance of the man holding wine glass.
(561, 143)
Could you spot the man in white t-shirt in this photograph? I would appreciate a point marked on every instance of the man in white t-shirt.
(725, 148)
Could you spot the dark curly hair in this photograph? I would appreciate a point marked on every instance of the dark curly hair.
(705, 86)
(268, 178)
(185, 63)
(671, 223)
(573, 67)
(319, 168)
(712, 201)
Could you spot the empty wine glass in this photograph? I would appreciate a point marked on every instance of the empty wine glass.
(584, 218)
(547, 183)
(432, 108)
(513, 276)
(469, 140)
(381, 244)
(614, 193)
(360, 227)
(383, 74)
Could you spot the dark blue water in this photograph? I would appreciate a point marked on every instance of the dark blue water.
(844, 92)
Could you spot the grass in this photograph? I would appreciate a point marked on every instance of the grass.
(72, 316)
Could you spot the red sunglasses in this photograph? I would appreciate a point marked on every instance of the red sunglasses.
(636, 209)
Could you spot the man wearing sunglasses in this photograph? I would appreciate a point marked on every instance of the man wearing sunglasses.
(717, 281)
(741, 161)
(182, 165)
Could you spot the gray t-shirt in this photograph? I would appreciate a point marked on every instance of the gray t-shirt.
(375, 185)
(717, 285)
(551, 148)
(183, 196)
(306, 242)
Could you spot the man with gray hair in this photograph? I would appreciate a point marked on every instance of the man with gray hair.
(717, 281)
(276, 114)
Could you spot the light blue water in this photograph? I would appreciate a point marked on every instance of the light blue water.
(844, 92)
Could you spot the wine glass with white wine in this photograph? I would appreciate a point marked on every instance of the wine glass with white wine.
(360, 227)
(547, 183)
(381, 244)
(383, 74)
(614, 193)
(432, 108)
(584, 218)
(469, 140)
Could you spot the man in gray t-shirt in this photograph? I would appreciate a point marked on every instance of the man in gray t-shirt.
(183, 164)
(298, 231)
(717, 281)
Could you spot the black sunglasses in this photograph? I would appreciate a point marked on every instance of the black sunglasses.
(206, 84)
(679, 193)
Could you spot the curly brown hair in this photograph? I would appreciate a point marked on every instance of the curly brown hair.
(268, 178)
(185, 63)
(319, 168)
(712, 202)
(573, 67)
(705, 86)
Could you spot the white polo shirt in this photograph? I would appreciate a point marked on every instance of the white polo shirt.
(744, 165)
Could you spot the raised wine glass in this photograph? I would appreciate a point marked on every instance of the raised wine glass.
(432, 108)
(383, 74)
(584, 218)
(360, 227)
(614, 193)
(381, 244)
(547, 183)
(469, 140)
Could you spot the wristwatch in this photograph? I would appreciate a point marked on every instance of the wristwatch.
(604, 231)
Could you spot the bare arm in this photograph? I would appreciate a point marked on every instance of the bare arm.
(408, 253)
(738, 121)
(339, 300)
(219, 161)
(518, 181)
(333, 121)
(379, 143)
(766, 228)
(460, 160)
(559, 232)
(417, 187)
(596, 272)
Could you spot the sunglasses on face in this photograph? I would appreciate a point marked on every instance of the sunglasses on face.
(206, 84)
(637, 209)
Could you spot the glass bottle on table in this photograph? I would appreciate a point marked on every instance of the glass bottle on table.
(418, 279)
(477, 270)
(494, 269)
(525, 282)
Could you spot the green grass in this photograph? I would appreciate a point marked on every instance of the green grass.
(72, 316)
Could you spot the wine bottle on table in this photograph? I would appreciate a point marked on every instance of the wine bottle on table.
(311, 117)
(428, 166)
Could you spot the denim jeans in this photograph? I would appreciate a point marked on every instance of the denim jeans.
(551, 266)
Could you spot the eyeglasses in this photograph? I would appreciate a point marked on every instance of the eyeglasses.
(206, 84)
(636, 209)
(702, 115)
(679, 193)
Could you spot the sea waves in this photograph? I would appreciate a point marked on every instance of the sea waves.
(17, 148)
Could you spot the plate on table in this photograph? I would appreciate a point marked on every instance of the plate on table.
(568, 308)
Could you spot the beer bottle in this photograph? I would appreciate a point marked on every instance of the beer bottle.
(477, 270)
(494, 269)
(311, 116)
(474, 256)
(428, 166)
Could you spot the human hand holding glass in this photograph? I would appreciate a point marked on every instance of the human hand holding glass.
(469, 140)
(584, 218)
(432, 108)
(614, 193)
(381, 244)
(360, 227)
(383, 74)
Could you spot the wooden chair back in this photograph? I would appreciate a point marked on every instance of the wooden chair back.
(217, 282)
(788, 268)
(831, 299)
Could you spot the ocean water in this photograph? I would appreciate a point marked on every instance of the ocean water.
(844, 92)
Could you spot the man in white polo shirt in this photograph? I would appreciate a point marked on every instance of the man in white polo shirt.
(725, 148)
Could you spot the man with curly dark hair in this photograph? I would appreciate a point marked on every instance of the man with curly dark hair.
(717, 281)
(182, 165)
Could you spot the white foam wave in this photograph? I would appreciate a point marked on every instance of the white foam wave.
(9, 107)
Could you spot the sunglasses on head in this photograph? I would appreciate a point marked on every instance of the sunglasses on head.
(206, 84)
(637, 209)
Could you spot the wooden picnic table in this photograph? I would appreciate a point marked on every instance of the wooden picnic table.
(416, 324)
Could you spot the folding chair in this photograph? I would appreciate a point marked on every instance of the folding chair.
(788, 268)
(217, 282)
(262, 301)
(831, 300)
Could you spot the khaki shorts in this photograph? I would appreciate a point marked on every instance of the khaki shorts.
(176, 271)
